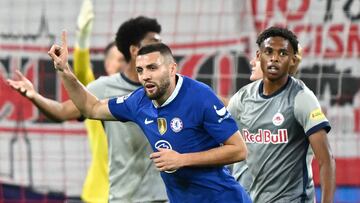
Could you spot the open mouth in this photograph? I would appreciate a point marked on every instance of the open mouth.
(150, 87)
(272, 69)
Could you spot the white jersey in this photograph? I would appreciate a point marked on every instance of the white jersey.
(276, 129)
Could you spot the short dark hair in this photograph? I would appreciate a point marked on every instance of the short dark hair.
(108, 47)
(279, 32)
(160, 47)
(133, 31)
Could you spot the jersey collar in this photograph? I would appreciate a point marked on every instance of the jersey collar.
(261, 89)
(174, 94)
(129, 81)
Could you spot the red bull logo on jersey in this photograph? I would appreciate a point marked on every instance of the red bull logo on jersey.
(266, 137)
(278, 119)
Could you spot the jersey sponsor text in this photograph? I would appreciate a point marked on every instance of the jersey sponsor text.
(265, 136)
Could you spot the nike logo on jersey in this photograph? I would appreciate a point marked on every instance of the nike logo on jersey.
(148, 121)
(220, 112)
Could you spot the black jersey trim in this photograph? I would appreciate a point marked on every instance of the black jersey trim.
(324, 125)
(128, 80)
(261, 89)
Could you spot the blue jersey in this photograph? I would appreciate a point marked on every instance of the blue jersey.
(193, 119)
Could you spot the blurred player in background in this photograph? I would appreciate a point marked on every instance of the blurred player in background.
(279, 118)
(96, 185)
(116, 62)
(132, 176)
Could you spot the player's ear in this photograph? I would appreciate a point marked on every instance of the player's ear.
(133, 51)
(173, 68)
(258, 54)
(293, 60)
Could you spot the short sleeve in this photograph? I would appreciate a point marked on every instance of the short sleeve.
(217, 120)
(123, 108)
(308, 113)
(235, 106)
(231, 106)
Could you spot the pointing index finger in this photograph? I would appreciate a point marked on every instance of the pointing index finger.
(19, 74)
(64, 39)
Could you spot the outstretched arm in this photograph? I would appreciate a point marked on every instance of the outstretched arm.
(233, 150)
(52, 109)
(322, 151)
(87, 103)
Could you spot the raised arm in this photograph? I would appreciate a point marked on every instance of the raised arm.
(82, 66)
(320, 145)
(233, 150)
(61, 111)
(52, 109)
(88, 104)
(81, 62)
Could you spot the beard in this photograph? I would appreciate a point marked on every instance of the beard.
(161, 90)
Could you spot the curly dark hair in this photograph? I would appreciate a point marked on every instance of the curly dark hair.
(279, 32)
(132, 31)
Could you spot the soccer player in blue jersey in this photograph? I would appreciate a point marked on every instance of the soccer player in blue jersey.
(280, 118)
(192, 134)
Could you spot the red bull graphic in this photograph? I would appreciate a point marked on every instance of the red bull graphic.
(265, 136)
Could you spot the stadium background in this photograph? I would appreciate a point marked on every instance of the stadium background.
(212, 41)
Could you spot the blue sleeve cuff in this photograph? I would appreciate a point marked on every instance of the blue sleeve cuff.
(226, 137)
(324, 125)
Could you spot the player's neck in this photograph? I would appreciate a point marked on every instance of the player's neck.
(271, 86)
(131, 73)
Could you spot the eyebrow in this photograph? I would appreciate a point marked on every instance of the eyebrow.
(152, 64)
(281, 49)
(149, 65)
